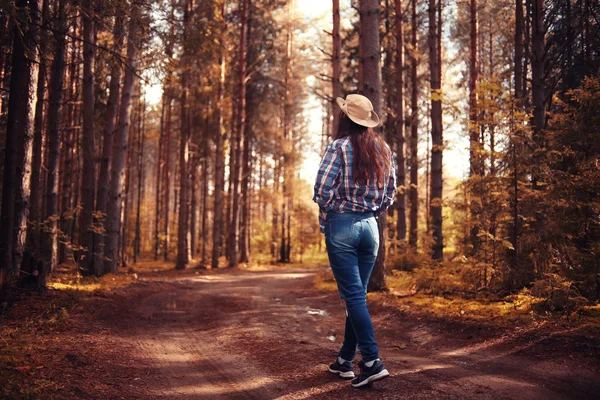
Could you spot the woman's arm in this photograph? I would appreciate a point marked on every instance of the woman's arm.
(329, 169)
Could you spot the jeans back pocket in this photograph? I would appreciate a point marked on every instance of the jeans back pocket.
(341, 230)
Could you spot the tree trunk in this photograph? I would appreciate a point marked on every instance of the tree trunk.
(414, 132)
(55, 96)
(194, 165)
(219, 162)
(246, 175)
(167, 172)
(275, 208)
(284, 256)
(31, 256)
(167, 98)
(140, 185)
(233, 246)
(86, 216)
(538, 87)
(183, 250)
(401, 164)
(205, 181)
(108, 137)
(68, 174)
(158, 187)
(127, 185)
(475, 145)
(435, 203)
(336, 61)
(19, 135)
(518, 62)
(369, 21)
(115, 194)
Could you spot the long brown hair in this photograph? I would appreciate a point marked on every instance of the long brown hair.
(372, 158)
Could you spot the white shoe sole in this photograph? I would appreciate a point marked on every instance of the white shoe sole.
(373, 378)
(345, 375)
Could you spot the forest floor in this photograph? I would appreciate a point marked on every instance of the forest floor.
(269, 334)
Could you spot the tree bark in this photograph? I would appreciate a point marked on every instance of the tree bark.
(475, 144)
(31, 255)
(69, 175)
(219, 162)
(369, 21)
(55, 96)
(414, 132)
(194, 165)
(205, 181)
(19, 135)
(538, 65)
(336, 62)
(246, 175)
(435, 203)
(183, 250)
(108, 137)
(140, 184)
(234, 233)
(158, 187)
(167, 98)
(115, 194)
(86, 216)
(401, 164)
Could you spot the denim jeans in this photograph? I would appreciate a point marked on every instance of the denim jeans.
(352, 241)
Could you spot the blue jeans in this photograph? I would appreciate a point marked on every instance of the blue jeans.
(352, 241)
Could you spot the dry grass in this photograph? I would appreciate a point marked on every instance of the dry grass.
(521, 308)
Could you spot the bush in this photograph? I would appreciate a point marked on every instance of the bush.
(558, 294)
(407, 261)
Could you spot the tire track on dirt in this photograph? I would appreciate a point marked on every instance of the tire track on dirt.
(192, 361)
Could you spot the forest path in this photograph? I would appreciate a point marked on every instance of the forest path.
(270, 335)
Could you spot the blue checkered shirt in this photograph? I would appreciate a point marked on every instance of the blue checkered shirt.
(335, 189)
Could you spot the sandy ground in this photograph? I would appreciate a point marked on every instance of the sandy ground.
(270, 335)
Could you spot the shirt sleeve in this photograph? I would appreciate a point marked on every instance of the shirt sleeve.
(329, 169)
(390, 189)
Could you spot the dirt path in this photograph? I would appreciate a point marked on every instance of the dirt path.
(269, 335)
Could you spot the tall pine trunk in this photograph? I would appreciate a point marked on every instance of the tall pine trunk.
(158, 186)
(219, 156)
(115, 194)
(475, 144)
(414, 132)
(205, 181)
(108, 137)
(234, 233)
(436, 199)
(183, 245)
(31, 256)
(401, 164)
(336, 62)
(137, 246)
(19, 135)
(369, 21)
(55, 96)
(86, 216)
(538, 66)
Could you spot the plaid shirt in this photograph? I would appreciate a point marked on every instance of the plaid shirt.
(335, 189)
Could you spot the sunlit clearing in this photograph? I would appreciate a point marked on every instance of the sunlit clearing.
(314, 8)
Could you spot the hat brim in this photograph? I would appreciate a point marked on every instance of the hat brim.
(372, 122)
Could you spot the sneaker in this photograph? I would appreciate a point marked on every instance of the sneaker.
(371, 374)
(344, 370)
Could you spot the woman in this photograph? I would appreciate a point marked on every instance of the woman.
(355, 184)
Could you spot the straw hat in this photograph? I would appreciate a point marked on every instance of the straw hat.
(359, 109)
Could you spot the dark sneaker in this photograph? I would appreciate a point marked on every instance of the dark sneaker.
(344, 370)
(371, 374)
